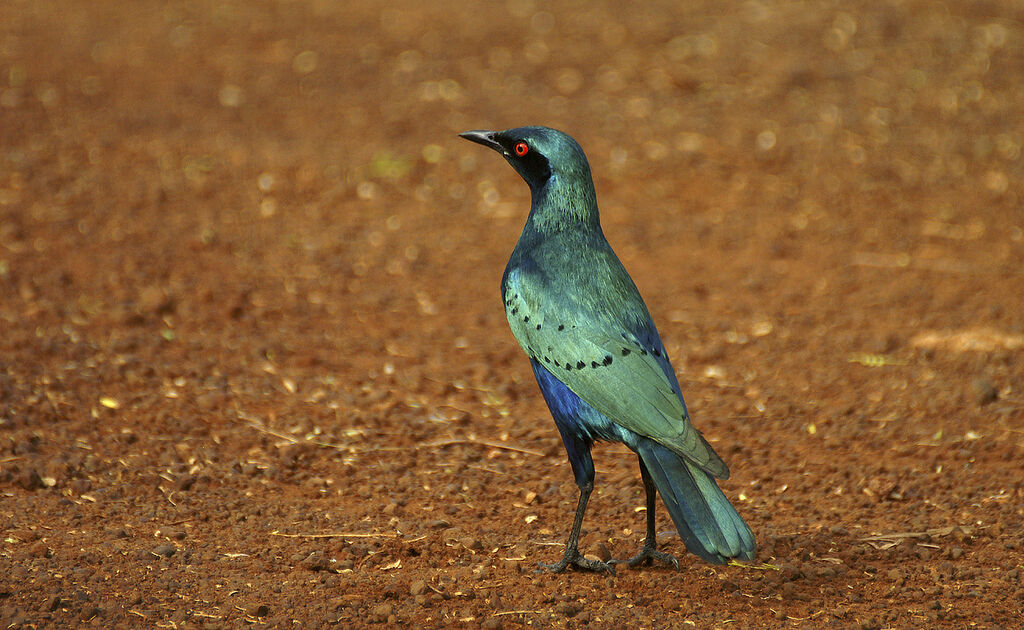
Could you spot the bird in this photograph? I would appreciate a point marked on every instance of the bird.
(596, 354)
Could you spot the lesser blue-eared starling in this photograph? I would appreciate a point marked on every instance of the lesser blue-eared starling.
(598, 358)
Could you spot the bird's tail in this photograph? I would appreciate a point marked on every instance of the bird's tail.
(706, 521)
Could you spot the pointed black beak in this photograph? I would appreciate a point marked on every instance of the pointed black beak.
(485, 138)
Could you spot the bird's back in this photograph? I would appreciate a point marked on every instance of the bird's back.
(574, 309)
(580, 276)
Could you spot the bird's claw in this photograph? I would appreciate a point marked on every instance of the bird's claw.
(574, 559)
(649, 554)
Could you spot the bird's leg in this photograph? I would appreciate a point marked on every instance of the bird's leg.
(572, 551)
(650, 551)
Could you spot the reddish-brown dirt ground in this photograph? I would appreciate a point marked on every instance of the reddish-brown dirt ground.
(254, 368)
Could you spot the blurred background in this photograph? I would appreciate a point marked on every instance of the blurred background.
(243, 251)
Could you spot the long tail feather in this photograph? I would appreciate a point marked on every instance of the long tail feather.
(706, 521)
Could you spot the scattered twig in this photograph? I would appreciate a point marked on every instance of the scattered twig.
(764, 566)
(517, 612)
(255, 423)
(434, 588)
(874, 360)
(167, 495)
(939, 531)
(53, 405)
(336, 535)
(481, 443)
(486, 469)
(198, 613)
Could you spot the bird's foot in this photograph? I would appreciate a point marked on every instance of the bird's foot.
(572, 558)
(649, 554)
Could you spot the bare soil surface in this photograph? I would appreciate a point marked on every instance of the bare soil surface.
(254, 369)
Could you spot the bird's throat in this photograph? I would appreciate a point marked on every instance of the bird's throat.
(558, 206)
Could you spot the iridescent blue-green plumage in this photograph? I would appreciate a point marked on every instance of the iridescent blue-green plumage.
(597, 355)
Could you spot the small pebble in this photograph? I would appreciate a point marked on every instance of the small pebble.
(789, 573)
(166, 550)
(259, 610)
(186, 482)
(315, 561)
(984, 391)
(417, 587)
(89, 612)
(168, 531)
(30, 480)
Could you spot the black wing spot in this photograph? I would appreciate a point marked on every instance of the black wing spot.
(526, 319)
(580, 365)
(607, 360)
(643, 352)
(625, 352)
(656, 352)
(593, 364)
(538, 326)
(568, 366)
(561, 327)
(547, 359)
(515, 311)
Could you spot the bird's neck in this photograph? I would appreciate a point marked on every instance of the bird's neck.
(564, 205)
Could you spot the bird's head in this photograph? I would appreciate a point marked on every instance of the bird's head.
(539, 154)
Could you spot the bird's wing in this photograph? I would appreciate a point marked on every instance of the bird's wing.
(622, 374)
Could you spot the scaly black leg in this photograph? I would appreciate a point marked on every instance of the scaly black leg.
(650, 551)
(572, 552)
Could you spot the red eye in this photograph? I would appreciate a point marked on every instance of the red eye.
(522, 149)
